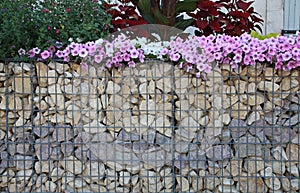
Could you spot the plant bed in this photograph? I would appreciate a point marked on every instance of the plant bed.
(65, 127)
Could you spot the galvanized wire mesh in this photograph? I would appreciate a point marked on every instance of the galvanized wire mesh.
(152, 128)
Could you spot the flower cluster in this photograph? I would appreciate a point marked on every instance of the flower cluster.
(114, 54)
(200, 53)
(30, 23)
(193, 54)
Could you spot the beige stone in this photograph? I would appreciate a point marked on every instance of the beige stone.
(183, 183)
(211, 183)
(287, 83)
(42, 74)
(254, 116)
(273, 182)
(248, 183)
(56, 174)
(73, 165)
(295, 184)
(240, 86)
(113, 114)
(293, 170)
(255, 99)
(202, 102)
(254, 164)
(112, 88)
(22, 85)
(94, 127)
(235, 167)
(43, 167)
(268, 86)
(24, 175)
(239, 111)
(50, 186)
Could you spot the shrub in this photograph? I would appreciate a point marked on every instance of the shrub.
(29, 23)
(230, 17)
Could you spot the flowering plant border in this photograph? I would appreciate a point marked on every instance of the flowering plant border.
(197, 54)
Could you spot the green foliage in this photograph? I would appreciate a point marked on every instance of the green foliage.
(30, 23)
(262, 37)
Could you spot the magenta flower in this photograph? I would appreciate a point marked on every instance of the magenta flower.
(83, 53)
(141, 58)
(164, 51)
(51, 49)
(286, 56)
(45, 54)
(59, 54)
(134, 54)
(36, 50)
(126, 57)
(74, 52)
(131, 64)
(66, 59)
(31, 53)
(21, 52)
(237, 58)
(98, 58)
(174, 57)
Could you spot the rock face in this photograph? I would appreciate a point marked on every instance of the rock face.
(153, 128)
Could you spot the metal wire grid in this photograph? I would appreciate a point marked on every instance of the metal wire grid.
(154, 129)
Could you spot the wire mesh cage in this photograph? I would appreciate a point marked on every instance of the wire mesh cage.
(153, 128)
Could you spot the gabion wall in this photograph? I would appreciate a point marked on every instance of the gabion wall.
(153, 128)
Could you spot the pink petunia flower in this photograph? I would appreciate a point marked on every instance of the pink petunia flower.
(174, 57)
(98, 58)
(286, 56)
(36, 50)
(83, 53)
(131, 64)
(126, 57)
(164, 51)
(134, 54)
(45, 54)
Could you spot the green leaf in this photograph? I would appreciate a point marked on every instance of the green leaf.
(183, 24)
(162, 19)
(145, 11)
(186, 6)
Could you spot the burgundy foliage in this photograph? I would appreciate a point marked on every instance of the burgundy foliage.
(230, 17)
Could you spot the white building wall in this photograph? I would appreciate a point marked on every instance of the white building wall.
(272, 14)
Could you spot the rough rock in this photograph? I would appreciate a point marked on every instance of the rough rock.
(248, 146)
(219, 152)
(73, 165)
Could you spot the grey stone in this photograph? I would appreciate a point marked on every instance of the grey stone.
(125, 136)
(139, 147)
(149, 136)
(279, 134)
(102, 137)
(42, 131)
(73, 165)
(156, 158)
(292, 121)
(23, 162)
(248, 146)
(237, 128)
(181, 161)
(197, 159)
(113, 153)
(22, 146)
(62, 133)
(43, 150)
(219, 152)
(67, 148)
(82, 138)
